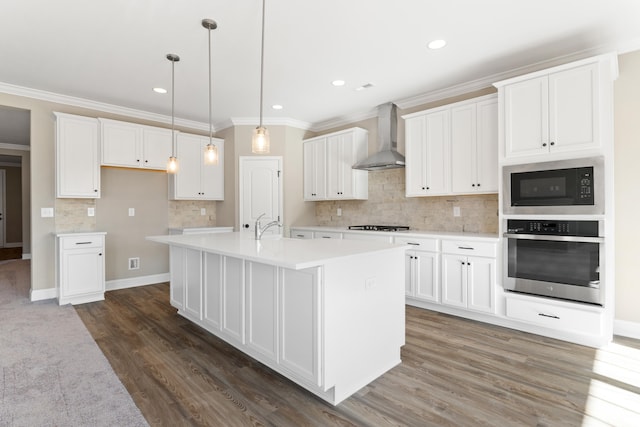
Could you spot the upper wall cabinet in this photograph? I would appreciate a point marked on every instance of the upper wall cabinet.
(77, 157)
(328, 161)
(558, 112)
(134, 146)
(196, 180)
(453, 149)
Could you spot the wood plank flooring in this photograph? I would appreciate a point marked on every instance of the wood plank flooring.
(455, 372)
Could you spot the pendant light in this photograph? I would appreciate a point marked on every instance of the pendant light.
(260, 140)
(172, 164)
(210, 151)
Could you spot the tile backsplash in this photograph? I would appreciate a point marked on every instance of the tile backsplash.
(387, 204)
(187, 213)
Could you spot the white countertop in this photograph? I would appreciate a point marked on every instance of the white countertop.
(408, 233)
(79, 233)
(284, 252)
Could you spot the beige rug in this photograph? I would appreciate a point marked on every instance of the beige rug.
(52, 373)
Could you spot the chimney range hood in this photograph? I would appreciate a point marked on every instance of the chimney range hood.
(387, 156)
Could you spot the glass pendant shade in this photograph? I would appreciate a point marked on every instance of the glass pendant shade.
(260, 140)
(211, 154)
(172, 165)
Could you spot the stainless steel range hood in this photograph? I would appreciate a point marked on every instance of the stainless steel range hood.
(387, 156)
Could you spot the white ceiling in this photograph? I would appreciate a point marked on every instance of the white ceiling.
(113, 51)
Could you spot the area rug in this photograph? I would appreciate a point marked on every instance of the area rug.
(52, 373)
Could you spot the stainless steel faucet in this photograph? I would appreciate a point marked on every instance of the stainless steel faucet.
(259, 230)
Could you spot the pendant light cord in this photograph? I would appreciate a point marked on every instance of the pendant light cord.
(173, 101)
(210, 103)
(262, 61)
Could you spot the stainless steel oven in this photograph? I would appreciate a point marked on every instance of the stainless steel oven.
(558, 259)
(561, 187)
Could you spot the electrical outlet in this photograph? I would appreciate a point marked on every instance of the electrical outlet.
(134, 263)
(456, 211)
(203, 211)
(339, 212)
(46, 212)
(132, 212)
(91, 211)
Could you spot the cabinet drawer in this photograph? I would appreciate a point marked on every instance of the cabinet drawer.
(327, 235)
(419, 244)
(301, 234)
(554, 316)
(375, 236)
(473, 248)
(81, 242)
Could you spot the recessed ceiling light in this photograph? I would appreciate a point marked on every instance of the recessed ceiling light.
(437, 44)
(338, 82)
(277, 107)
(159, 90)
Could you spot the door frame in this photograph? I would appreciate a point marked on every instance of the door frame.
(241, 163)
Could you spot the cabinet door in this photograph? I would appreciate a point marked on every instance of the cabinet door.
(315, 164)
(487, 141)
(416, 155)
(193, 283)
(233, 299)
(337, 162)
(262, 309)
(481, 284)
(299, 326)
(573, 114)
(212, 187)
(464, 177)
(426, 280)
(83, 272)
(177, 284)
(526, 117)
(454, 280)
(77, 157)
(212, 290)
(187, 179)
(156, 147)
(121, 143)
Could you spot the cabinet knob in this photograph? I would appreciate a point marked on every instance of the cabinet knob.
(246, 226)
(553, 143)
(100, 254)
(544, 144)
(95, 191)
(478, 185)
(424, 188)
(427, 188)
(468, 263)
(146, 161)
(138, 160)
(473, 185)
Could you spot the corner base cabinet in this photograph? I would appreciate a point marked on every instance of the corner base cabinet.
(80, 267)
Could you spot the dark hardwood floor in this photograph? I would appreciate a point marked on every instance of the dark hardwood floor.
(455, 372)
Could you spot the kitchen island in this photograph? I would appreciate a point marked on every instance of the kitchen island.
(328, 315)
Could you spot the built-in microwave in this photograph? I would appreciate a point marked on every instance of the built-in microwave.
(573, 186)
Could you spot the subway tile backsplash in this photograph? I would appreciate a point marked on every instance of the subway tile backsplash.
(387, 204)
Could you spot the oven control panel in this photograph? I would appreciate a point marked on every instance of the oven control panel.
(552, 227)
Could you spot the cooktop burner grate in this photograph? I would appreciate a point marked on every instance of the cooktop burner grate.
(379, 227)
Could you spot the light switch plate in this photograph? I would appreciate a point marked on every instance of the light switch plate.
(91, 211)
(132, 212)
(46, 212)
(456, 211)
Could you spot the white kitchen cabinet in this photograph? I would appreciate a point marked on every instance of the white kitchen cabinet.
(338, 180)
(565, 109)
(427, 153)
(474, 147)
(422, 268)
(469, 275)
(80, 267)
(233, 300)
(212, 274)
(301, 234)
(261, 283)
(77, 157)
(196, 180)
(193, 283)
(134, 146)
(315, 169)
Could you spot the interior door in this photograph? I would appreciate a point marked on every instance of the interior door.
(260, 192)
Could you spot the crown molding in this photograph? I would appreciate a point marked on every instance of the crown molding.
(269, 121)
(343, 120)
(98, 106)
(18, 147)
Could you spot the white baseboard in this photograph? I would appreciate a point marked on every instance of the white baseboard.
(133, 282)
(13, 245)
(626, 329)
(26, 256)
(42, 294)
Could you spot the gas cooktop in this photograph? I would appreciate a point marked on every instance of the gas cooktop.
(379, 227)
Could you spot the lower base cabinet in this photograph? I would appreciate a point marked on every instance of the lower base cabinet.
(80, 267)
(469, 282)
(422, 276)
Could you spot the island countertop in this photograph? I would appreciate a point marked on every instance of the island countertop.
(295, 254)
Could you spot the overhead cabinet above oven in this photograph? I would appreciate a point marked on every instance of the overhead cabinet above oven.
(565, 109)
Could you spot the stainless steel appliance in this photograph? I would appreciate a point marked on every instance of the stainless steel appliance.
(558, 259)
(379, 227)
(573, 186)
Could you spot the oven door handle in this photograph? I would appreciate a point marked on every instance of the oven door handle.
(580, 239)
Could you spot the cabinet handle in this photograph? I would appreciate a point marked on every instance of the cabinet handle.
(548, 315)
(299, 235)
(413, 243)
(465, 247)
(83, 243)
